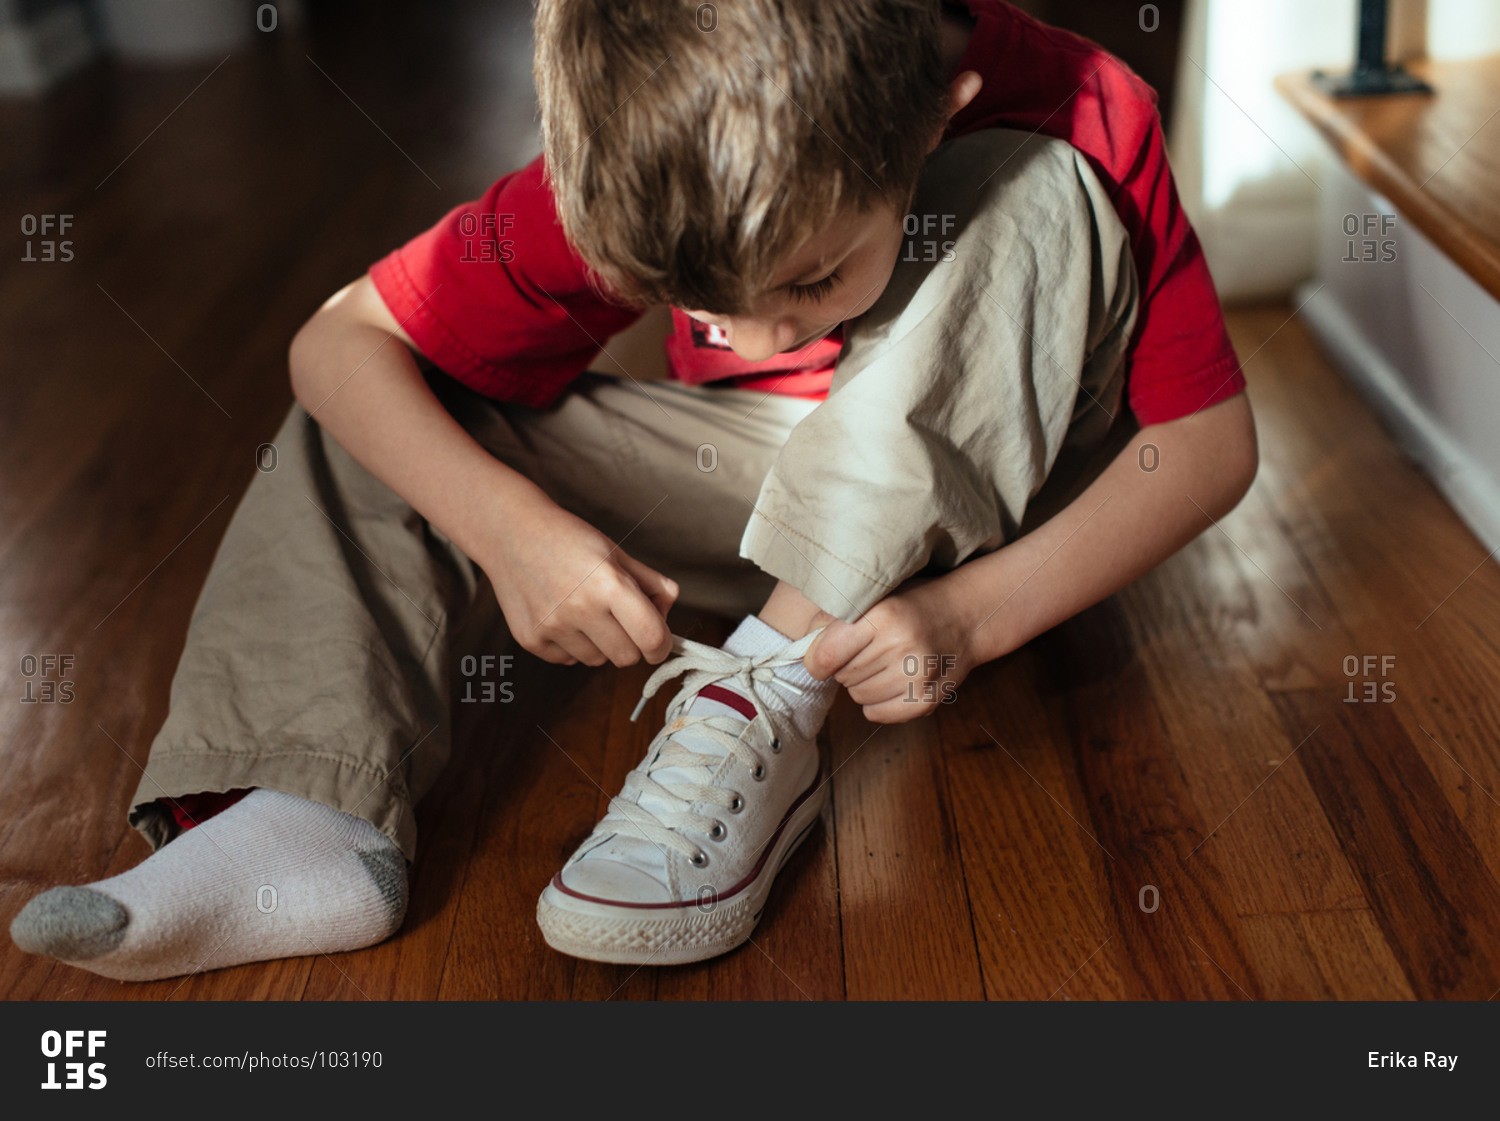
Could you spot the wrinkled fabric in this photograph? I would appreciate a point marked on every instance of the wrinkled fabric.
(997, 346)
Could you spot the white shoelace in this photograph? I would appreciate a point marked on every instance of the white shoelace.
(704, 665)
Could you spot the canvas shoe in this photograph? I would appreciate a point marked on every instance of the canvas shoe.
(680, 867)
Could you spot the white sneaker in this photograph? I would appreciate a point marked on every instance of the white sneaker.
(680, 867)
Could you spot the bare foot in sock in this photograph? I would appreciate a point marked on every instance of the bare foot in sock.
(272, 876)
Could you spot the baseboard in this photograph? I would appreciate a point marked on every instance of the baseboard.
(1469, 488)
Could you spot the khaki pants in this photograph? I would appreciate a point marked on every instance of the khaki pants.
(981, 391)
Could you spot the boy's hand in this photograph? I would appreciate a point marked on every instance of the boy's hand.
(570, 594)
(904, 657)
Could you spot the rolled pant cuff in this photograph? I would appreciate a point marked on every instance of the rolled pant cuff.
(337, 781)
(832, 583)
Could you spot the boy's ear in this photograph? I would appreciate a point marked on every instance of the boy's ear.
(963, 89)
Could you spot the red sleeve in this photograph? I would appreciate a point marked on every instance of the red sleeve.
(1041, 79)
(496, 297)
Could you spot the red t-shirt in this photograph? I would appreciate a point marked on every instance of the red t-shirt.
(494, 295)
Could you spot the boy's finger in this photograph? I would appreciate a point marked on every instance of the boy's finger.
(895, 712)
(581, 649)
(611, 639)
(644, 623)
(659, 589)
(858, 671)
(878, 689)
(835, 648)
(552, 652)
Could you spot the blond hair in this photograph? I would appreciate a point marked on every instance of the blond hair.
(691, 147)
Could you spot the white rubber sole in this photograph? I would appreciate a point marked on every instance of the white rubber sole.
(598, 931)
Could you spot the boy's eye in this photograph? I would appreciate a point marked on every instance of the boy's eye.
(815, 291)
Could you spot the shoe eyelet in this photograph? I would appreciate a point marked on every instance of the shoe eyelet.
(759, 773)
(776, 746)
(737, 805)
(718, 832)
(700, 860)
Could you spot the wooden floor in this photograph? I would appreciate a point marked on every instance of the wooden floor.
(1169, 796)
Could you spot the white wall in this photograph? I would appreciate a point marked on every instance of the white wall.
(1462, 28)
(1419, 338)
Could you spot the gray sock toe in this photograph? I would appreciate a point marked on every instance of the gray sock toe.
(70, 923)
(387, 867)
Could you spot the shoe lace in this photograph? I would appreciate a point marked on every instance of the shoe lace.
(704, 665)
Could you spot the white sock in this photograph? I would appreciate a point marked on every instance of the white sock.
(272, 876)
(754, 637)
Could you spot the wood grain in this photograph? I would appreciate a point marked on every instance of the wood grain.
(1431, 155)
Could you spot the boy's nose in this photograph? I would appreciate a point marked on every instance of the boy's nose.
(755, 340)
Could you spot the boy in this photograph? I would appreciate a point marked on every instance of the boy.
(778, 174)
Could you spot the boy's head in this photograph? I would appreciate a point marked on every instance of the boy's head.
(749, 160)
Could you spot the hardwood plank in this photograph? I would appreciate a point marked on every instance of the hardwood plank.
(1031, 867)
(1436, 902)
(1196, 616)
(1141, 811)
(906, 925)
(540, 798)
(1428, 605)
(1323, 955)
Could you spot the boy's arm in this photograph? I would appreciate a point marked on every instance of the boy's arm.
(567, 592)
(1123, 525)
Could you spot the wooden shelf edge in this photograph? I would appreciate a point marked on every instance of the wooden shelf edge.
(1447, 229)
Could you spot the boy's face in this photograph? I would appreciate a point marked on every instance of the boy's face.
(837, 274)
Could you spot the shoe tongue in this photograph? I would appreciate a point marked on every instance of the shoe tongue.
(630, 847)
(712, 700)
